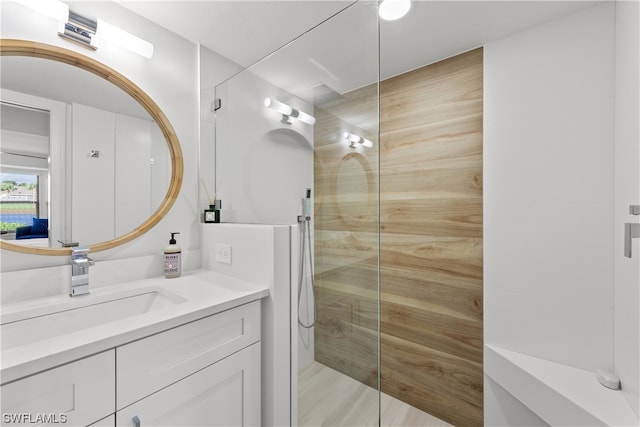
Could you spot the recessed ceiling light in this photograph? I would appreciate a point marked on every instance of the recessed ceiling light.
(393, 9)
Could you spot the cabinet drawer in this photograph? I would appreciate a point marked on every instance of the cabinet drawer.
(157, 361)
(76, 394)
(226, 394)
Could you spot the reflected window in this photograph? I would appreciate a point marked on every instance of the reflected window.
(18, 200)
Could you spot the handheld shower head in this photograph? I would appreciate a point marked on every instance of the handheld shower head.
(307, 204)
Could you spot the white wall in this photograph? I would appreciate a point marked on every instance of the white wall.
(561, 169)
(627, 191)
(171, 79)
(548, 161)
(549, 169)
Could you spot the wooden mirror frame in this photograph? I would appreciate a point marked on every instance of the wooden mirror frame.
(12, 47)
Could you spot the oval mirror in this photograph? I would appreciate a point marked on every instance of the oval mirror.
(111, 176)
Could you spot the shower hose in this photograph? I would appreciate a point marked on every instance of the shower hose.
(306, 236)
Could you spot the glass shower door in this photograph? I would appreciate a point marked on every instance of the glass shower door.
(338, 383)
(303, 123)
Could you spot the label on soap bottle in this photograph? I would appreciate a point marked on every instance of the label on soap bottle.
(172, 264)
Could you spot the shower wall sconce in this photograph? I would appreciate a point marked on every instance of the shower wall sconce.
(86, 30)
(289, 112)
(355, 140)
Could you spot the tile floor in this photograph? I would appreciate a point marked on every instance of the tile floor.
(329, 398)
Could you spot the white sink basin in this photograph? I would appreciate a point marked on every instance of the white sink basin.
(75, 314)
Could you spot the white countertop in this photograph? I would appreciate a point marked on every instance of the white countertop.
(204, 293)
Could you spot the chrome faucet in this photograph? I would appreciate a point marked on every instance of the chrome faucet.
(80, 263)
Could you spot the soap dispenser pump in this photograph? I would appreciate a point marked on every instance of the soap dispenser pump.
(172, 258)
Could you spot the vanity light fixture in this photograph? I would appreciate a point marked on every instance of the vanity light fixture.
(119, 37)
(355, 140)
(391, 10)
(86, 30)
(79, 28)
(289, 112)
(52, 8)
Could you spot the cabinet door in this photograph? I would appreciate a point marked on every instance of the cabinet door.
(226, 393)
(76, 394)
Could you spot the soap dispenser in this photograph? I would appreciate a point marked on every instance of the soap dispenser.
(172, 258)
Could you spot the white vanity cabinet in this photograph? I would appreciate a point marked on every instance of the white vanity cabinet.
(196, 362)
(76, 394)
(203, 373)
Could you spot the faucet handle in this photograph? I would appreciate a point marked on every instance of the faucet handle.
(79, 250)
(83, 262)
(79, 254)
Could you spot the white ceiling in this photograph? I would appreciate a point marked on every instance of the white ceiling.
(240, 30)
(246, 31)
(337, 56)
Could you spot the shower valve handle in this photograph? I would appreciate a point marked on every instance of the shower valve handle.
(631, 231)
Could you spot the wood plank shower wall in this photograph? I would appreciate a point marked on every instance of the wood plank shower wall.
(431, 238)
(431, 242)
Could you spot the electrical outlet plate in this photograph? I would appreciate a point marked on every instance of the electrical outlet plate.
(223, 253)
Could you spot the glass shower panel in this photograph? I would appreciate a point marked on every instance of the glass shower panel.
(306, 117)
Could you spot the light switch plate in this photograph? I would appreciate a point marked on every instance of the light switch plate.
(223, 253)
